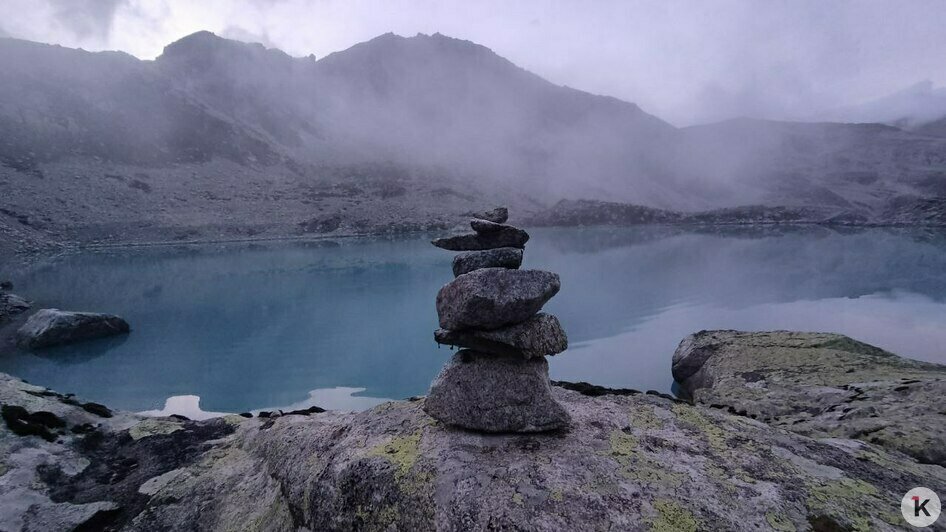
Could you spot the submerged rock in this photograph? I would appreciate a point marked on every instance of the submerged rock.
(6, 285)
(821, 385)
(506, 237)
(494, 297)
(498, 215)
(490, 393)
(538, 336)
(49, 327)
(510, 258)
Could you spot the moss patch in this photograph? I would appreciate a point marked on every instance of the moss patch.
(715, 436)
(402, 451)
(844, 501)
(779, 522)
(636, 465)
(672, 517)
(644, 418)
(153, 427)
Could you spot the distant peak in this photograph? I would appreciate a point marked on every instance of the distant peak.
(205, 45)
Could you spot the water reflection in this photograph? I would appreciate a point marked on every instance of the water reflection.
(246, 327)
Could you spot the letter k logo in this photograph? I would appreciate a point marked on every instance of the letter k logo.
(918, 507)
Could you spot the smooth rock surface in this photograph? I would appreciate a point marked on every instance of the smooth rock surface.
(637, 462)
(510, 258)
(50, 327)
(540, 335)
(821, 385)
(11, 305)
(506, 237)
(485, 226)
(498, 215)
(494, 297)
(490, 393)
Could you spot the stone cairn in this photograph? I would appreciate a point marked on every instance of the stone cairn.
(499, 381)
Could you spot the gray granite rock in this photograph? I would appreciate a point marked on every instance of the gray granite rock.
(510, 258)
(494, 297)
(821, 385)
(51, 326)
(638, 462)
(506, 237)
(485, 226)
(490, 393)
(11, 304)
(540, 335)
(498, 215)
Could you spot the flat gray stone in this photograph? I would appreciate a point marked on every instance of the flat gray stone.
(485, 226)
(51, 326)
(494, 297)
(510, 258)
(540, 335)
(498, 215)
(506, 237)
(489, 393)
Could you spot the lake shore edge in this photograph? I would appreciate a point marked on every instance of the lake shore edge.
(640, 460)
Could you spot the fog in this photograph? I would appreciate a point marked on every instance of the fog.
(545, 101)
(687, 62)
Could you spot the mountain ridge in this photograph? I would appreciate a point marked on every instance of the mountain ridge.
(226, 130)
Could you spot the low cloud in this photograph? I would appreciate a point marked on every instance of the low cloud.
(686, 61)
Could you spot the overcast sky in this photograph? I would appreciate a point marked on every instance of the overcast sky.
(685, 61)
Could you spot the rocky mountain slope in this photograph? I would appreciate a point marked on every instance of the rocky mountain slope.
(222, 139)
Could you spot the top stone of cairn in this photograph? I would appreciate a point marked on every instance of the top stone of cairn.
(498, 215)
(490, 232)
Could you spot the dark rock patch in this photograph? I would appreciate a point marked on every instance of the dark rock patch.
(23, 423)
(49, 327)
(510, 258)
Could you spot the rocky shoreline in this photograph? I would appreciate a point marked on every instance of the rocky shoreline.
(635, 461)
(25, 237)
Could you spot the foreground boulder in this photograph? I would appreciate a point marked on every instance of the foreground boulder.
(540, 335)
(505, 237)
(821, 385)
(637, 462)
(495, 393)
(49, 327)
(493, 297)
(510, 258)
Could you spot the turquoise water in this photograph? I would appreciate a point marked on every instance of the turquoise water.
(348, 323)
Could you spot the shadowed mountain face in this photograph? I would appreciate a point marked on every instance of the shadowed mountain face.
(213, 127)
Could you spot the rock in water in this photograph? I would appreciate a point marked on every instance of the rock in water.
(51, 326)
(510, 258)
(498, 215)
(494, 297)
(11, 304)
(506, 237)
(489, 393)
(6, 285)
(540, 335)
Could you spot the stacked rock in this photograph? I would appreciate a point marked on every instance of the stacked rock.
(499, 381)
